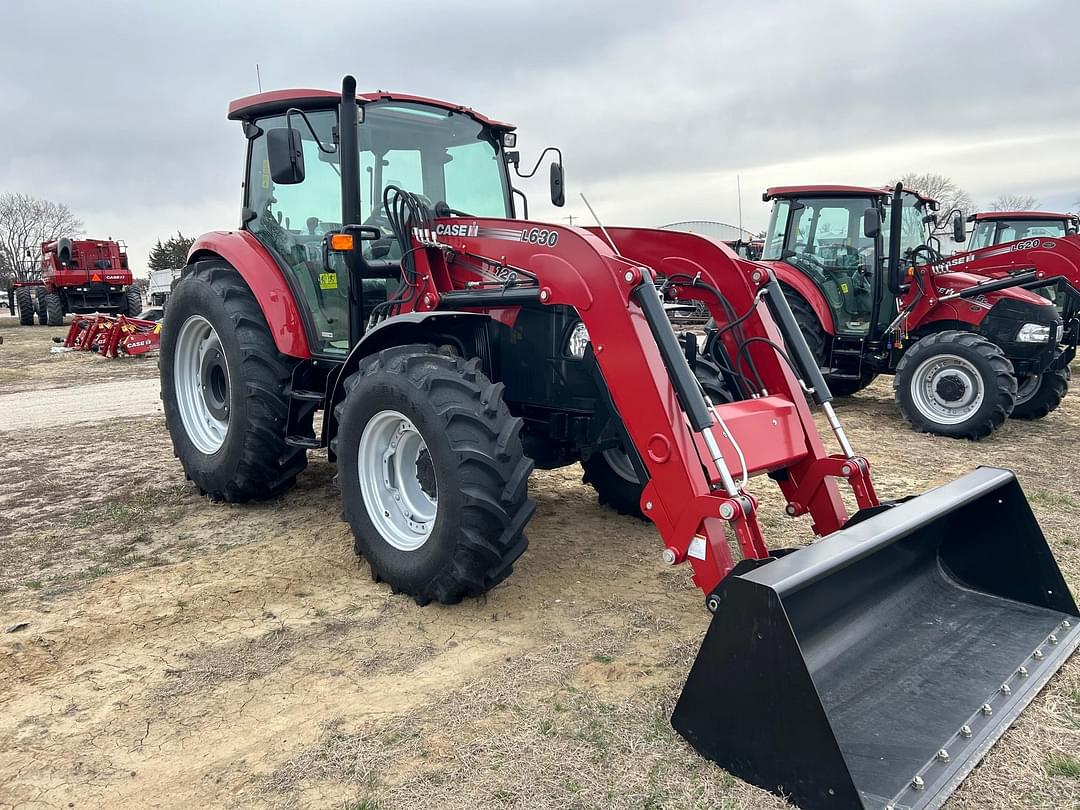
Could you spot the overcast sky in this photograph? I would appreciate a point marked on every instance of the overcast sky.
(118, 108)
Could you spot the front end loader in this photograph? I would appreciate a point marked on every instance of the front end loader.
(382, 283)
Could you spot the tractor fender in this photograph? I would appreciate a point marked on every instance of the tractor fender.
(266, 280)
(462, 329)
(790, 277)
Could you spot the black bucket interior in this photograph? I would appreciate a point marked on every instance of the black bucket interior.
(874, 668)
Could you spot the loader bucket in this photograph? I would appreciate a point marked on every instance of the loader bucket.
(875, 668)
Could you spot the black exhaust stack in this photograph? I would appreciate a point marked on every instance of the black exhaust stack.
(876, 667)
(896, 224)
(348, 144)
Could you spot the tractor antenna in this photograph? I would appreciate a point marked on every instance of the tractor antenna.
(258, 76)
(600, 225)
(738, 185)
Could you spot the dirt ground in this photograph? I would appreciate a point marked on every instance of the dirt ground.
(165, 651)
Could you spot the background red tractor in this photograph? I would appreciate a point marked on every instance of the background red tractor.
(80, 276)
(995, 227)
(382, 283)
(873, 295)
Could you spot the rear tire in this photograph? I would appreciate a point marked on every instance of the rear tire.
(814, 333)
(956, 384)
(54, 309)
(434, 480)
(223, 386)
(1035, 399)
(42, 307)
(25, 300)
(132, 302)
(612, 474)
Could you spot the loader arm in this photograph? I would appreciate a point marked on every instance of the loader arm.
(690, 494)
(1048, 259)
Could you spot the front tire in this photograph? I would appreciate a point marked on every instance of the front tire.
(1038, 395)
(956, 384)
(434, 480)
(54, 309)
(25, 300)
(612, 474)
(132, 302)
(223, 386)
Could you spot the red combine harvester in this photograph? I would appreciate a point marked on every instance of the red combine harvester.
(80, 276)
(381, 279)
(874, 296)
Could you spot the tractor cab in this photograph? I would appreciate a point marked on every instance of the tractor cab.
(996, 227)
(449, 155)
(838, 238)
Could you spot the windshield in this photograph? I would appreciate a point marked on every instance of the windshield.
(445, 156)
(775, 236)
(993, 232)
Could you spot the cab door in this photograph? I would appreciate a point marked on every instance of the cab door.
(291, 220)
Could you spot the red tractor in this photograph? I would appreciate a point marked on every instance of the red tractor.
(995, 227)
(873, 295)
(381, 283)
(79, 276)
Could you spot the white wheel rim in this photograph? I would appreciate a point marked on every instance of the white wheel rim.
(1026, 387)
(947, 389)
(620, 463)
(397, 480)
(201, 380)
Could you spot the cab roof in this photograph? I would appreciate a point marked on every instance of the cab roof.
(277, 101)
(837, 191)
(993, 215)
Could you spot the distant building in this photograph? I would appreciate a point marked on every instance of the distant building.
(715, 230)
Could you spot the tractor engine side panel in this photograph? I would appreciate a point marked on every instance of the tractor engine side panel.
(556, 394)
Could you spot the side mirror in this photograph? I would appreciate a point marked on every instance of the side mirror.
(558, 197)
(871, 223)
(285, 152)
(959, 233)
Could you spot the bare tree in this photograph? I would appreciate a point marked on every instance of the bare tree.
(1013, 202)
(939, 187)
(26, 222)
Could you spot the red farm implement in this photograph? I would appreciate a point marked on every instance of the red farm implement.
(451, 347)
(111, 336)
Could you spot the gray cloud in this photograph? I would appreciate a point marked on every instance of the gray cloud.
(656, 107)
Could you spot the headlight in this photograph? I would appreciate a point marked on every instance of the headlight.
(1034, 333)
(579, 339)
(1060, 332)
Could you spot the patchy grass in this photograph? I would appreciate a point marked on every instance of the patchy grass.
(1063, 765)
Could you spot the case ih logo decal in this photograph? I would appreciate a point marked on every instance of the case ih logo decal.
(457, 230)
(533, 236)
(951, 264)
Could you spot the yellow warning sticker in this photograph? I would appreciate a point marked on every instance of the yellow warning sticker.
(844, 288)
(328, 281)
(266, 173)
